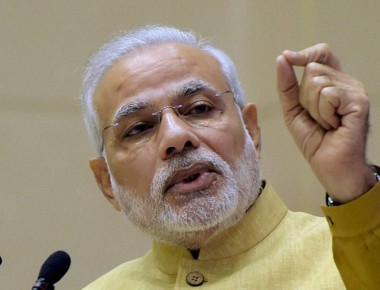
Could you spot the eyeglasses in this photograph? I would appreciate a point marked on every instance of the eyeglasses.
(139, 122)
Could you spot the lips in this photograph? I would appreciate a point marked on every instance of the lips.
(197, 177)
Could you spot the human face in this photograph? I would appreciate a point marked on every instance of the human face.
(203, 216)
(154, 75)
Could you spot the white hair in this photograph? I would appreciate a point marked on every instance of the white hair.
(135, 40)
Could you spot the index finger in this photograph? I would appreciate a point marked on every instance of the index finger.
(320, 53)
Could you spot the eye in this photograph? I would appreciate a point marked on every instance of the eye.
(199, 108)
(138, 129)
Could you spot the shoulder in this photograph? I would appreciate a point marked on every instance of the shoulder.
(302, 223)
(122, 276)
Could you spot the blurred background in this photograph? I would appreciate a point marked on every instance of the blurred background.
(48, 197)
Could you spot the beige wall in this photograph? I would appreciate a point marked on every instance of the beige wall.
(48, 199)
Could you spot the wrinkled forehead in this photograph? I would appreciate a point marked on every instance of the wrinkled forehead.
(153, 72)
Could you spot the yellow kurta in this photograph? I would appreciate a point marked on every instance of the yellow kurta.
(270, 248)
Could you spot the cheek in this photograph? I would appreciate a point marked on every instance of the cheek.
(135, 169)
(226, 140)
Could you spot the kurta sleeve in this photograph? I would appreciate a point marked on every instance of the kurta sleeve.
(355, 229)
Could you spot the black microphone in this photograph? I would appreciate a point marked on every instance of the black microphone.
(52, 270)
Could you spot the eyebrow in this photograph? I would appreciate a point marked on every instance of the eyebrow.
(193, 87)
(186, 90)
(130, 108)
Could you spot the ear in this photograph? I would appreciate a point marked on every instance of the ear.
(251, 122)
(100, 170)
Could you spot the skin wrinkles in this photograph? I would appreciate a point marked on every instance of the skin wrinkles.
(137, 105)
(155, 67)
(195, 222)
(184, 91)
(129, 68)
(326, 112)
(136, 169)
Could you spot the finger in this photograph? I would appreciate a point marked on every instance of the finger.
(287, 84)
(329, 101)
(310, 91)
(320, 53)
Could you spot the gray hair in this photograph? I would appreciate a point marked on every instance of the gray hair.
(135, 40)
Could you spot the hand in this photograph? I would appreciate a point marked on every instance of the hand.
(327, 114)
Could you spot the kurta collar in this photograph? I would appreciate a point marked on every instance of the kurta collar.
(261, 219)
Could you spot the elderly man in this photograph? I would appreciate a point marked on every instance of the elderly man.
(178, 152)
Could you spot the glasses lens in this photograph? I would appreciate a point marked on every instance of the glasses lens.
(204, 109)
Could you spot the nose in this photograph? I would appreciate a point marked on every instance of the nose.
(175, 135)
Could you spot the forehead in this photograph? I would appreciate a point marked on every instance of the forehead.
(151, 73)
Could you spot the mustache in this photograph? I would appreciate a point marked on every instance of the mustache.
(186, 159)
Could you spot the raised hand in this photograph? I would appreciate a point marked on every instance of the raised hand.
(327, 114)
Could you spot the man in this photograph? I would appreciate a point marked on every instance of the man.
(178, 152)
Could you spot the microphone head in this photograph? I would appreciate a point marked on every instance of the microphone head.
(55, 267)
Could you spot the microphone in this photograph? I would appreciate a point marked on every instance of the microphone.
(52, 270)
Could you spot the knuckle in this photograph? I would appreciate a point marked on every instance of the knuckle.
(364, 100)
(324, 52)
(327, 91)
(312, 67)
(324, 46)
(321, 80)
(359, 84)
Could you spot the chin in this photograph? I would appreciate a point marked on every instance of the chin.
(193, 222)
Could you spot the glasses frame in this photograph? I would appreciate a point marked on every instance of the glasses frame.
(158, 114)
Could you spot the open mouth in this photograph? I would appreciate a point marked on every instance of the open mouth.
(194, 178)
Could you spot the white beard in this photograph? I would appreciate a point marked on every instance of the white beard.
(202, 216)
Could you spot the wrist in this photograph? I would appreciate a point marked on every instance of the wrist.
(375, 178)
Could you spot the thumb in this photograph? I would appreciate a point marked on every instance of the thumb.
(287, 84)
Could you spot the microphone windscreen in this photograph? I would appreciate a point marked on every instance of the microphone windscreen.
(55, 266)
